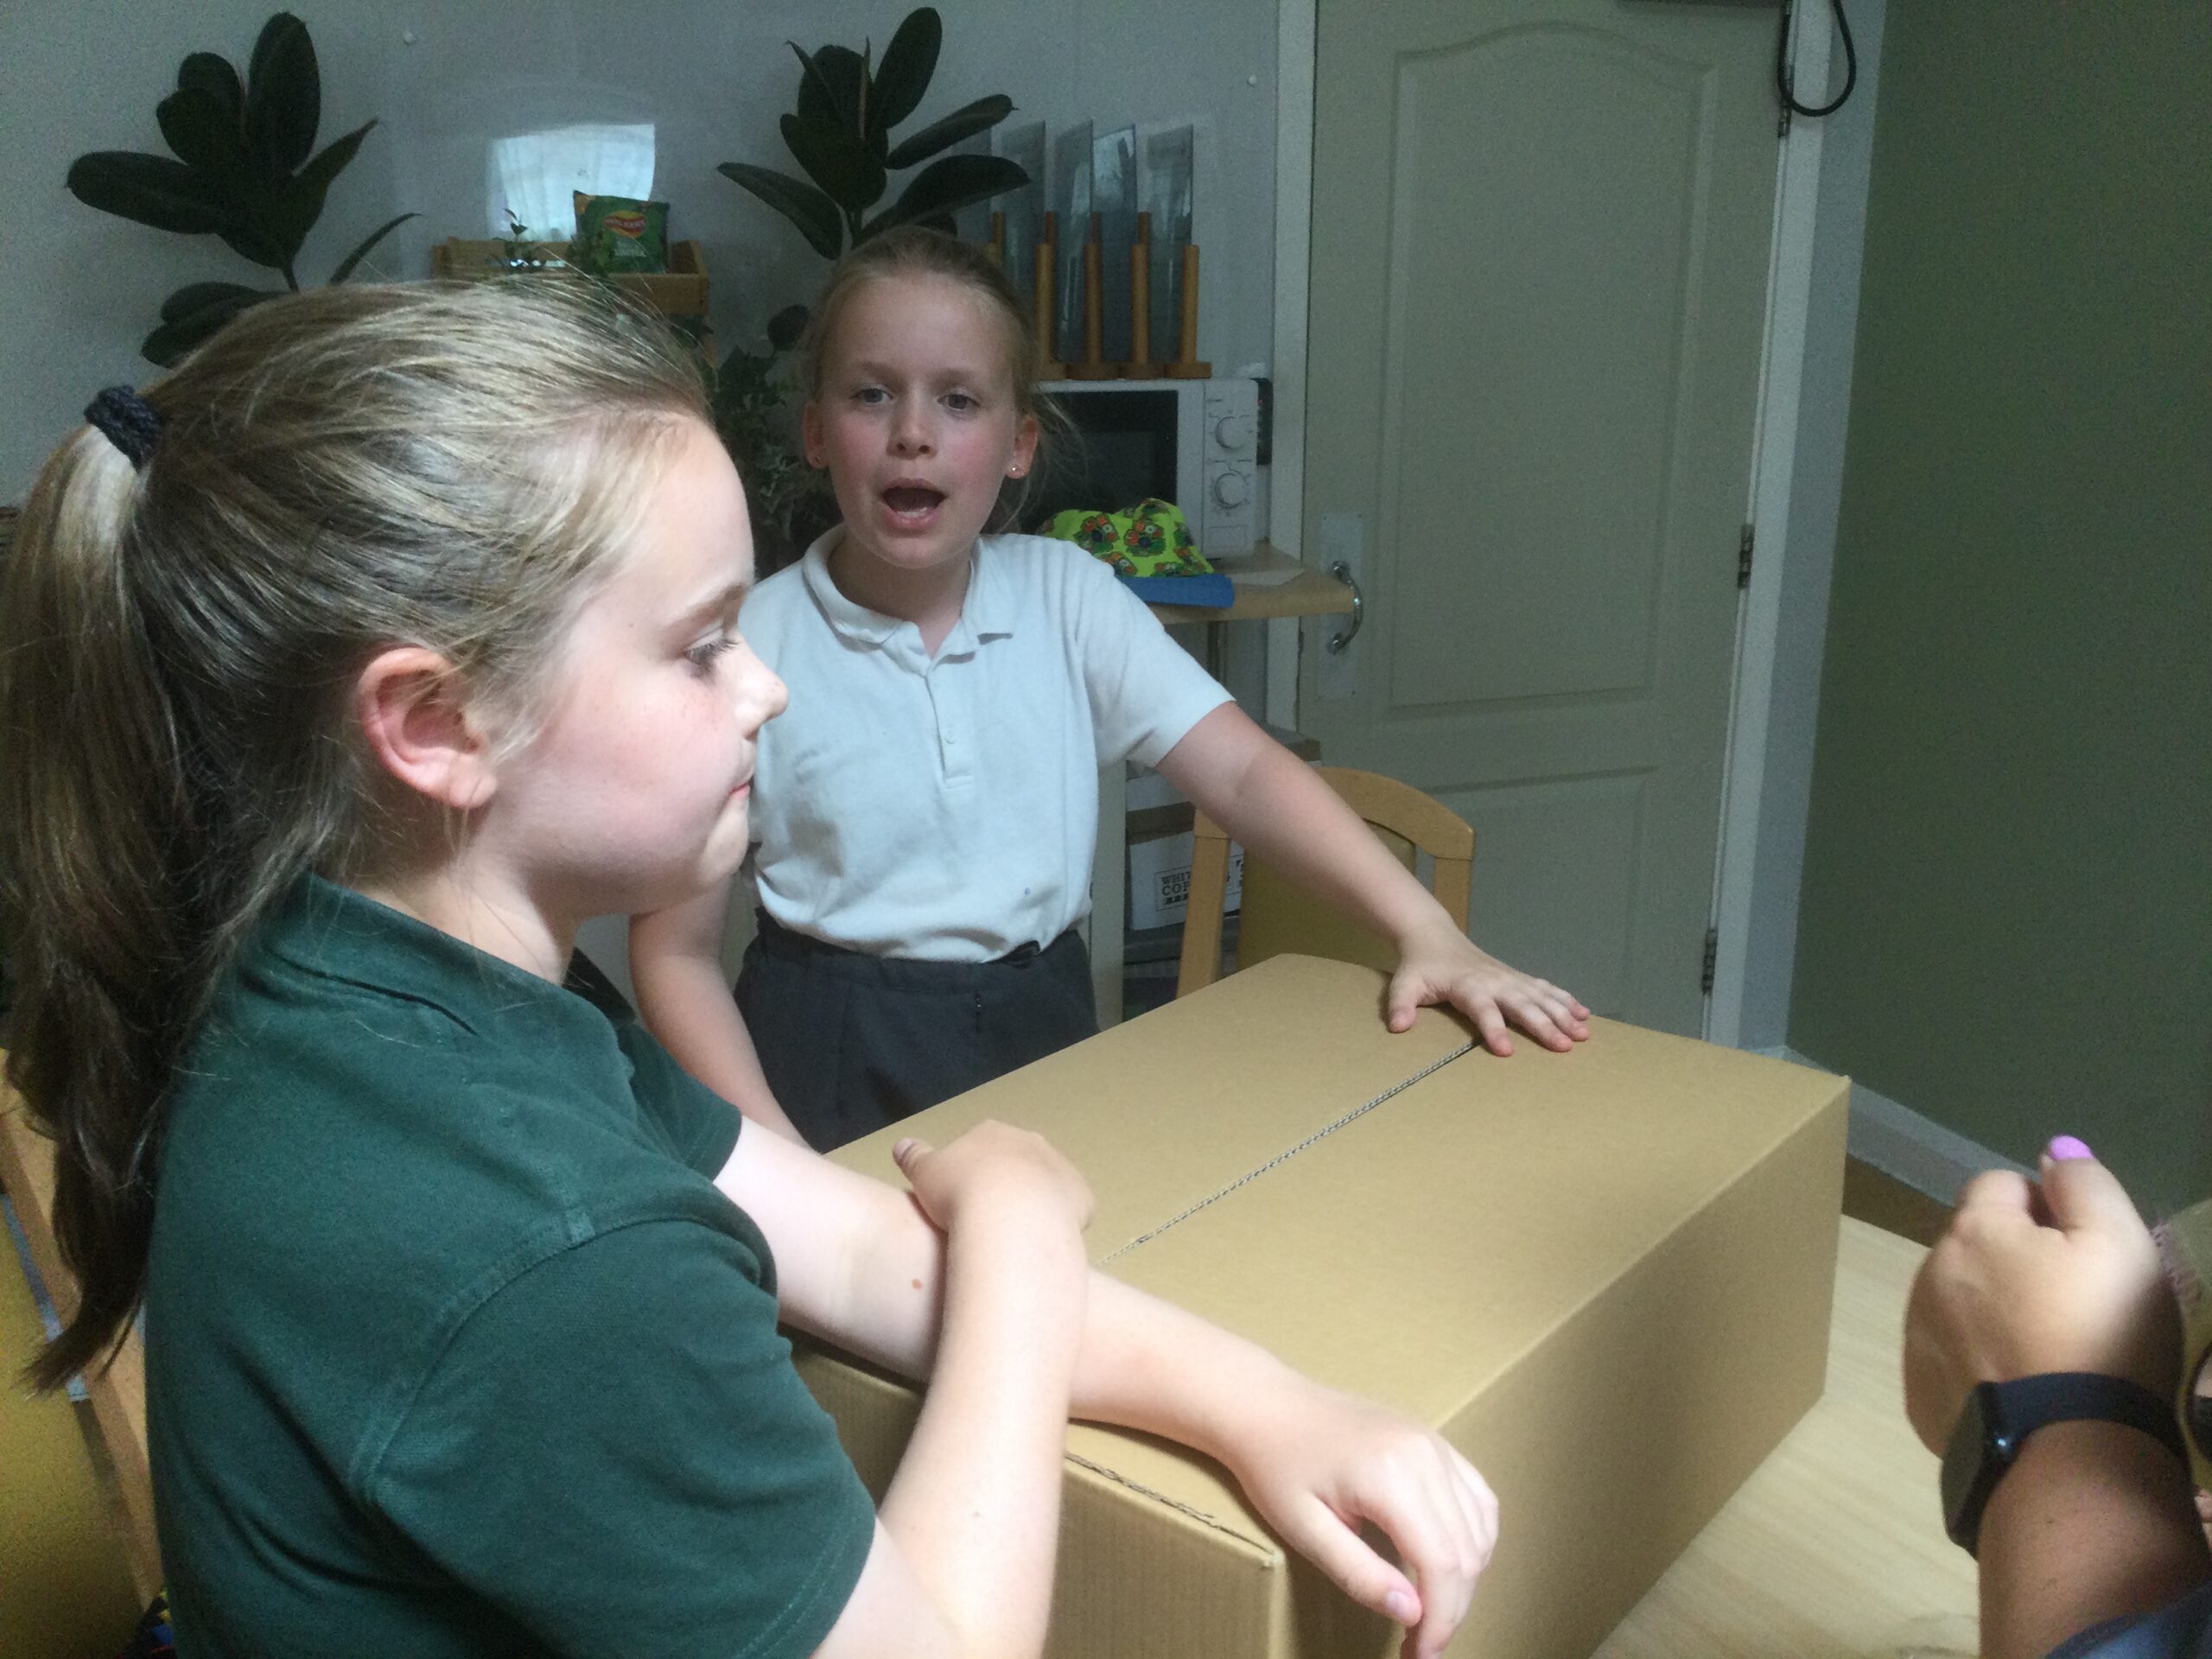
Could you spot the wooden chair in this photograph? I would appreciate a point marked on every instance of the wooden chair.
(1276, 917)
(79, 1534)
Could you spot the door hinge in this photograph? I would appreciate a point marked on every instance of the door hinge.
(1744, 557)
(1712, 961)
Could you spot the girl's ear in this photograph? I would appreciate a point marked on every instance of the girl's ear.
(810, 432)
(1025, 448)
(409, 703)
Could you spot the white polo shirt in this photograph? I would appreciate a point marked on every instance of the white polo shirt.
(947, 810)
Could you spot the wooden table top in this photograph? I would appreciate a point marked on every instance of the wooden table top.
(1835, 1548)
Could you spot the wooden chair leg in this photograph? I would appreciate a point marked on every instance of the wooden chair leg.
(1201, 961)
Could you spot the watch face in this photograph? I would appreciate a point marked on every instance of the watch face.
(1973, 1459)
(1961, 1462)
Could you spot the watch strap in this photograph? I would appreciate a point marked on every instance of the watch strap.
(2007, 1413)
(2032, 1402)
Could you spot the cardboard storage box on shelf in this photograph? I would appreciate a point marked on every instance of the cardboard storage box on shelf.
(1605, 1276)
(1159, 880)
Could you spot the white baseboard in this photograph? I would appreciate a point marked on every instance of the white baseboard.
(1905, 1145)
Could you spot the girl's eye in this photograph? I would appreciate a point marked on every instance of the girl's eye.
(962, 401)
(702, 656)
(871, 395)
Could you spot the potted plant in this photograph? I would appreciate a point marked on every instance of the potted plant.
(840, 134)
(244, 168)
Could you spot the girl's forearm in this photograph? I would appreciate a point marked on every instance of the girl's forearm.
(974, 1505)
(1271, 804)
(1143, 1363)
(2096, 1522)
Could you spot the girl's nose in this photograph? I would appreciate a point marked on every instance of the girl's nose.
(909, 431)
(761, 694)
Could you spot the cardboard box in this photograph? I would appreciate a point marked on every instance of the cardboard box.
(1159, 880)
(1605, 1276)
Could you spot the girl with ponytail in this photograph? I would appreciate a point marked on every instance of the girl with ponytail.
(344, 673)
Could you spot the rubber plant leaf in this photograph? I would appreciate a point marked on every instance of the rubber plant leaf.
(152, 190)
(904, 75)
(814, 214)
(945, 188)
(283, 97)
(964, 122)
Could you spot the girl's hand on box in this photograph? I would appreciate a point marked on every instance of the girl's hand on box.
(995, 1167)
(1317, 1465)
(1440, 964)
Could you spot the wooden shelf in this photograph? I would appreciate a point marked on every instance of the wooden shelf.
(679, 291)
(1307, 593)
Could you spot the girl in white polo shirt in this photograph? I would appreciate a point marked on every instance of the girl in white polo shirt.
(925, 811)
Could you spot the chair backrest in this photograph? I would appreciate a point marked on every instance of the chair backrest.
(1274, 917)
(117, 1395)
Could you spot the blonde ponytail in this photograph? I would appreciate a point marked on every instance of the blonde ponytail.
(333, 472)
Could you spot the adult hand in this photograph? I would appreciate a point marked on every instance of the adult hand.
(1317, 1463)
(2056, 1274)
(1440, 964)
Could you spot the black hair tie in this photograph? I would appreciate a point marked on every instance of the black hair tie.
(127, 421)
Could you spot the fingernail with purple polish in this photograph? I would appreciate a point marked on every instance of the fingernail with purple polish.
(2066, 1149)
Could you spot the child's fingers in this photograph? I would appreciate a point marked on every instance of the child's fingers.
(1331, 1544)
(1478, 1502)
(1447, 1557)
(908, 1153)
(1533, 1017)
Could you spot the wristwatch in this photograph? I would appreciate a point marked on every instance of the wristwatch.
(1998, 1416)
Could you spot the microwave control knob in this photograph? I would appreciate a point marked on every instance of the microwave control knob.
(1231, 489)
(1234, 432)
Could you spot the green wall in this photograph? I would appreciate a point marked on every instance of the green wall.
(2006, 919)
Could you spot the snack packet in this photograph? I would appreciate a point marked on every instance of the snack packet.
(615, 235)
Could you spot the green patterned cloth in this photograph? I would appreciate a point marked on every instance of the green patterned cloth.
(1152, 538)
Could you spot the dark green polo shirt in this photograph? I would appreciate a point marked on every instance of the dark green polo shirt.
(453, 1347)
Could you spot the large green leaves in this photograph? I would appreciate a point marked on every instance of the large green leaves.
(849, 173)
(964, 122)
(194, 312)
(943, 187)
(908, 63)
(247, 170)
(814, 214)
(840, 135)
(205, 72)
(283, 96)
(833, 87)
(346, 265)
(153, 190)
(202, 132)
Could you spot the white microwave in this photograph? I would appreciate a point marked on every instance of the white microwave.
(1194, 442)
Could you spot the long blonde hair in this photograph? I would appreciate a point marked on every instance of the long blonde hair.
(335, 473)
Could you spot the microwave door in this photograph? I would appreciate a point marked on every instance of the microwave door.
(1127, 444)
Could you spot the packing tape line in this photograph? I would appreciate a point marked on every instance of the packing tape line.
(1289, 1153)
(1191, 1509)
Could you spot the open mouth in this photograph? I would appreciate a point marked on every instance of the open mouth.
(913, 502)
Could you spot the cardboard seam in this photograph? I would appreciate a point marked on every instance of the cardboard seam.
(1196, 1514)
(1288, 1152)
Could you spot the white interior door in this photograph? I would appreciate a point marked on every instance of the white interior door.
(1540, 250)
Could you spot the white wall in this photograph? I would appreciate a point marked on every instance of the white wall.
(82, 288)
(1815, 497)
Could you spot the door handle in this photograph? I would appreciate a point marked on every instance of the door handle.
(1344, 637)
